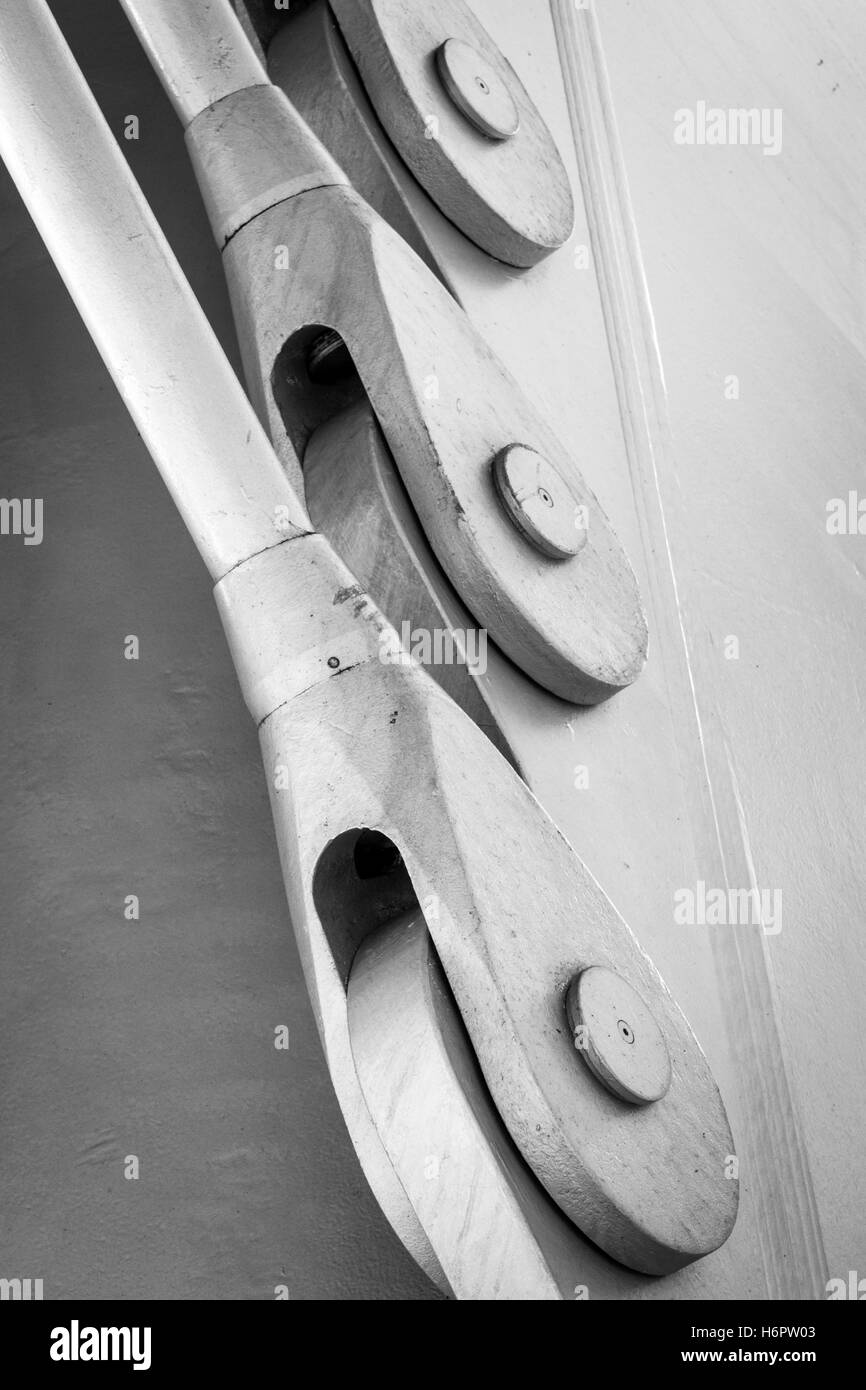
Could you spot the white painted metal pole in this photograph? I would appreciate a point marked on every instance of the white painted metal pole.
(174, 377)
(199, 51)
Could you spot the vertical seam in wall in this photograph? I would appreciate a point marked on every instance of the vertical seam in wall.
(774, 1162)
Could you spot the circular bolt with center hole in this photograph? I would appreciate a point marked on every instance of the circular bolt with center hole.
(477, 90)
(617, 1036)
(539, 502)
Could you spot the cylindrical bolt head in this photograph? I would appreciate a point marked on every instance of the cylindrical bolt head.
(617, 1036)
(540, 502)
(477, 90)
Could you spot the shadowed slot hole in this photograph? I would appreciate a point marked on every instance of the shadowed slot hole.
(359, 884)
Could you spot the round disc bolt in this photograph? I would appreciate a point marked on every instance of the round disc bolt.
(617, 1036)
(477, 90)
(540, 502)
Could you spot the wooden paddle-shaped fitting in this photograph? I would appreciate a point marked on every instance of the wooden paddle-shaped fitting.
(388, 799)
(354, 743)
(454, 108)
(463, 122)
(448, 408)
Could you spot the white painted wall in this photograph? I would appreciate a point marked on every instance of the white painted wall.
(756, 268)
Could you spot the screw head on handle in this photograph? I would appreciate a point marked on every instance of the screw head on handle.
(477, 90)
(539, 502)
(617, 1036)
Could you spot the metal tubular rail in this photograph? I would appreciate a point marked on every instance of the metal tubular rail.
(199, 426)
(169, 33)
